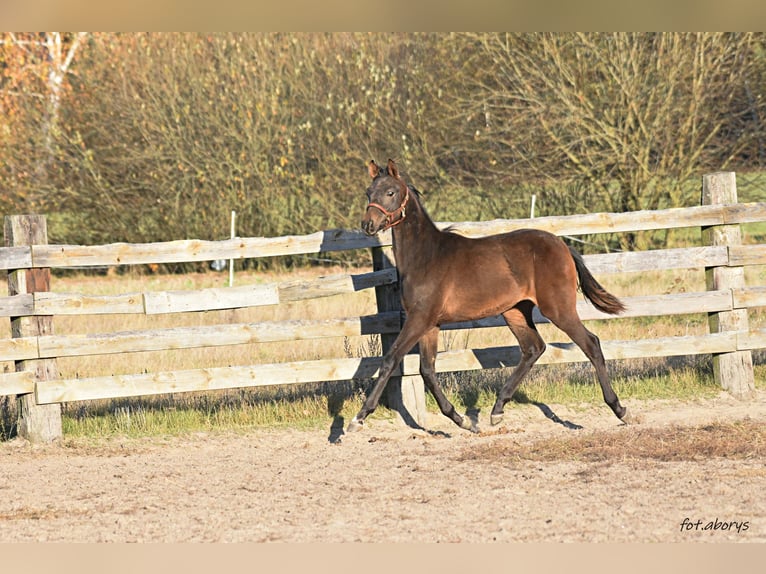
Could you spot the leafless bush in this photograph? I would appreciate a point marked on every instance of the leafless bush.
(160, 136)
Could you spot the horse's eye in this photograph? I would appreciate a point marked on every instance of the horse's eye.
(390, 193)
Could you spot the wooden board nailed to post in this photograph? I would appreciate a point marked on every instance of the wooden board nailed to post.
(734, 370)
(37, 423)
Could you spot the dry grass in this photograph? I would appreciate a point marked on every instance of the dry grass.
(741, 440)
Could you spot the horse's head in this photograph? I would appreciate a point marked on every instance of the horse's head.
(387, 198)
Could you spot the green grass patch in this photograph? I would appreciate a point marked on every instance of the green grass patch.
(175, 415)
(305, 407)
(322, 406)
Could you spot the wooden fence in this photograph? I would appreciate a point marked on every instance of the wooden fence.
(32, 307)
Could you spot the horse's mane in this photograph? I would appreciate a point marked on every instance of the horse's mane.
(449, 229)
(416, 190)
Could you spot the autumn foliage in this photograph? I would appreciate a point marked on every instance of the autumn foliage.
(149, 137)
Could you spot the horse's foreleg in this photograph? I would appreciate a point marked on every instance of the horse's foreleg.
(411, 332)
(373, 398)
(428, 348)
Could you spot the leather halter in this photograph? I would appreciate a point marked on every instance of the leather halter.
(398, 212)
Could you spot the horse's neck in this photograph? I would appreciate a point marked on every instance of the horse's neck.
(415, 238)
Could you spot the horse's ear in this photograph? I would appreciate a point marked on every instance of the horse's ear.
(373, 168)
(393, 171)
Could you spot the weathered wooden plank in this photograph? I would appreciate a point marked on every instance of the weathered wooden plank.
(639, 306)
(191, 250)
(221, 335)
(17, 383)
(56, 391)
(210, 299)
(592, 223)
(19, 257)
(237, 334)
(19, 349)
(269, 294)
(734, 213)
(498, 357)
(745, 297)
(334, 285)
(741, 255)
(661, 305)
(595, 223)
(49, 303)
(670, 346)
(213, 335)
(205, 379)
(17, 305)
(751, 340)
(340, 240)
(660, 259)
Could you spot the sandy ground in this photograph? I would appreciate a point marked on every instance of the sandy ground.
(387, 483)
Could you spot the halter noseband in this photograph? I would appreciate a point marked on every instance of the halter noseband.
(398, 212)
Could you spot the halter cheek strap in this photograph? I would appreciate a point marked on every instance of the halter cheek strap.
(391, 215)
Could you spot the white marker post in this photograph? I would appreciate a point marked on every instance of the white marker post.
(233, 235)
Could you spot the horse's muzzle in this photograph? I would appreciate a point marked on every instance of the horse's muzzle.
(369, 227)
(374, 220)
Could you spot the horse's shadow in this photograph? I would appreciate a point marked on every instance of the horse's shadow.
(334, 407)
(521, 398)
(469, 398)
(335, 404)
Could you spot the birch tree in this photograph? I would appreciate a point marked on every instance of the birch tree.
(35, 68)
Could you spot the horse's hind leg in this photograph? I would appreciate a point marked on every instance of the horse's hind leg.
(519, 320)
(428, 347)
(590, 345)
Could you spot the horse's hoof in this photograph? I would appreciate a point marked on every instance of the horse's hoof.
(354, 425)
(495, 419)
(628, 418)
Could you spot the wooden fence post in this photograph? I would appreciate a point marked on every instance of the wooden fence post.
(733, 371)
(37, 423)
(405, 395)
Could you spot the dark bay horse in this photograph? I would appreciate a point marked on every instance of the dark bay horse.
(446, 278)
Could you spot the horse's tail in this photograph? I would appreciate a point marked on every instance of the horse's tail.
(592, 289)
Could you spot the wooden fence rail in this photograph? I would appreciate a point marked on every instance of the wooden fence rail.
(726, 302)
